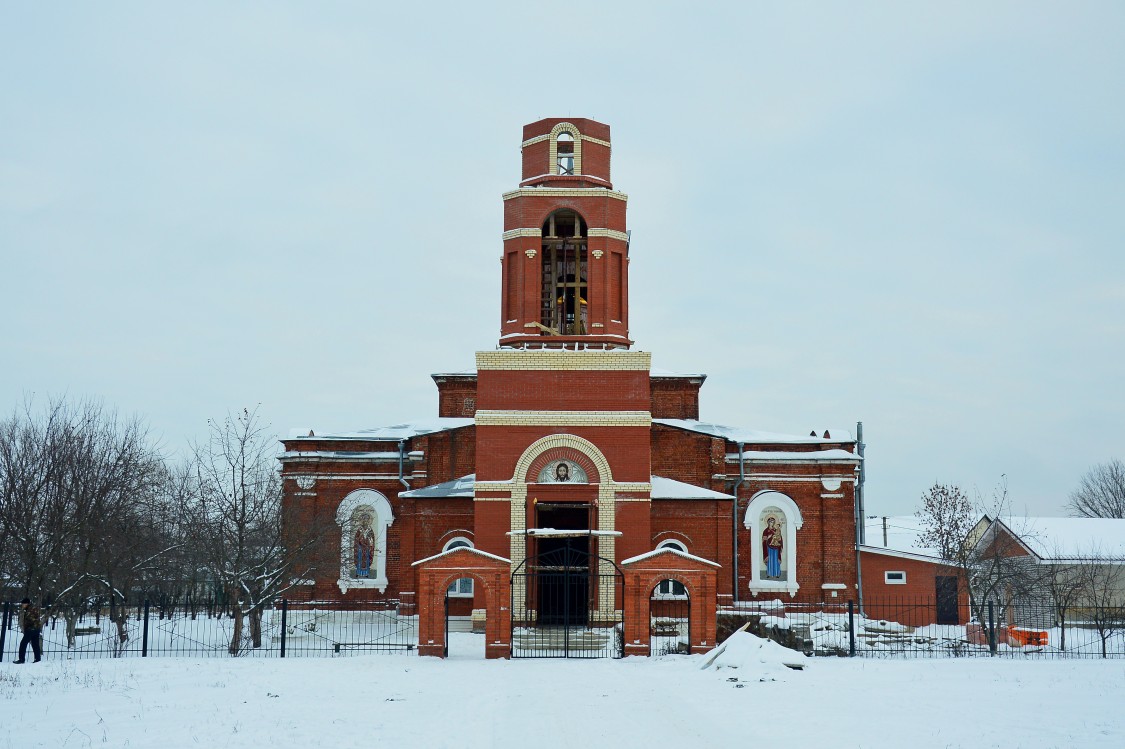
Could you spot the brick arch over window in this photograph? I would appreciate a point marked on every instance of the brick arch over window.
(565, 127)
(582, 451)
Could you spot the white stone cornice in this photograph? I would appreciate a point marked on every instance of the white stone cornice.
(552, 359)
(565, 192)
(564, 418)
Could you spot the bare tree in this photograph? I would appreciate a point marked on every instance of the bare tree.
(1066, 584)
(1101, 492)
(997, 566)
(946, 517)
(1102, 596)
(72, 477)
(236, 520)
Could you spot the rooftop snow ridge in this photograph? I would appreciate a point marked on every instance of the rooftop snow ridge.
(752, 436)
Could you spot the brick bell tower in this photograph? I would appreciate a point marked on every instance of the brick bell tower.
(566, 250)
(563, 406)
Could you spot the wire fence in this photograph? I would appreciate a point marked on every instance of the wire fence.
(203, 629)
(925, 627)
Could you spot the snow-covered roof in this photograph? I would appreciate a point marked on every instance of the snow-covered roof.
(662, 488)
(561, 533)
(932, 558)
(462, 487)
(1071, 538)
(654, 372)
(665, 488)
(456, 549)
(668, 550)
(764, 456)
(754, 436)
(403, 431)
(660, 373)
(382, 457)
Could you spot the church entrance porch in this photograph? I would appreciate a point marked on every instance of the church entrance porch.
(562, 579)
(562, 607)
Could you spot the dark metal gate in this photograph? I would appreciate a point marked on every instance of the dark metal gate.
(567, 603)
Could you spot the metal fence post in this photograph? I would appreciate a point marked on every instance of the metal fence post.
(991, 630)
(284, 611)
(4, 630)
(144, 633)
(851, 628)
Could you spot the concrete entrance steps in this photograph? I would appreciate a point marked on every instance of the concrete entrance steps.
(542, 640)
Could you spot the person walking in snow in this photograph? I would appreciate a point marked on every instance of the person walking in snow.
(31, 623)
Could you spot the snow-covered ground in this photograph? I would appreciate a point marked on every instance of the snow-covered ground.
(749, 697)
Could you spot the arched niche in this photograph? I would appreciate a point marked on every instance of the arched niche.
(773, 519)
(364, 516)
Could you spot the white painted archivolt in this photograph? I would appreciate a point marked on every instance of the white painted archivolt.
(773, 520)
(363, 516)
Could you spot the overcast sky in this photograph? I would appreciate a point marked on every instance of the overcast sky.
(841, 212)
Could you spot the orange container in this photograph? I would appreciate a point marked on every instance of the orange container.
(1020, 637)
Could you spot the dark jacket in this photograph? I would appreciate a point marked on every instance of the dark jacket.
(31, 619)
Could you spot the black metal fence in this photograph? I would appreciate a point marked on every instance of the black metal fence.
(194, 628)
(885, 627)
(921, 627)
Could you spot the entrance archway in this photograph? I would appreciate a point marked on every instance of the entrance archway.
(435, 576)
(644, 574)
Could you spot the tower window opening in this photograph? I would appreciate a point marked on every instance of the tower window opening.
(564, 292)
(564, 149)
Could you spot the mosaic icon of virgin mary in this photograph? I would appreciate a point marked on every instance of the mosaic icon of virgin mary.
(772, 546)
(364, 545)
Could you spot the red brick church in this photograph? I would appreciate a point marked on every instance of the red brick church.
(566, 488)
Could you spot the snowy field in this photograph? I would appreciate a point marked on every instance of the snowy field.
(407, 701)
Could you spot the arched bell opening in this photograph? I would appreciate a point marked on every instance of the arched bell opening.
(564, 272)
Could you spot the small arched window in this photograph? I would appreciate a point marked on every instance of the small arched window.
(671, 588)
(564, 152)
(461, 587)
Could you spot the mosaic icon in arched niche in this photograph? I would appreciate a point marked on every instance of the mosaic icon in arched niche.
(773, 545)
(562, 472)
(363, 544)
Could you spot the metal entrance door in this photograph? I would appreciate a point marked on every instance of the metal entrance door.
(566, 603)
(946, 595)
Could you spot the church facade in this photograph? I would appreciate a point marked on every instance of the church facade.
(565, 483)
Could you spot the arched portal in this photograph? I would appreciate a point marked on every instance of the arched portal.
(490, 578)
